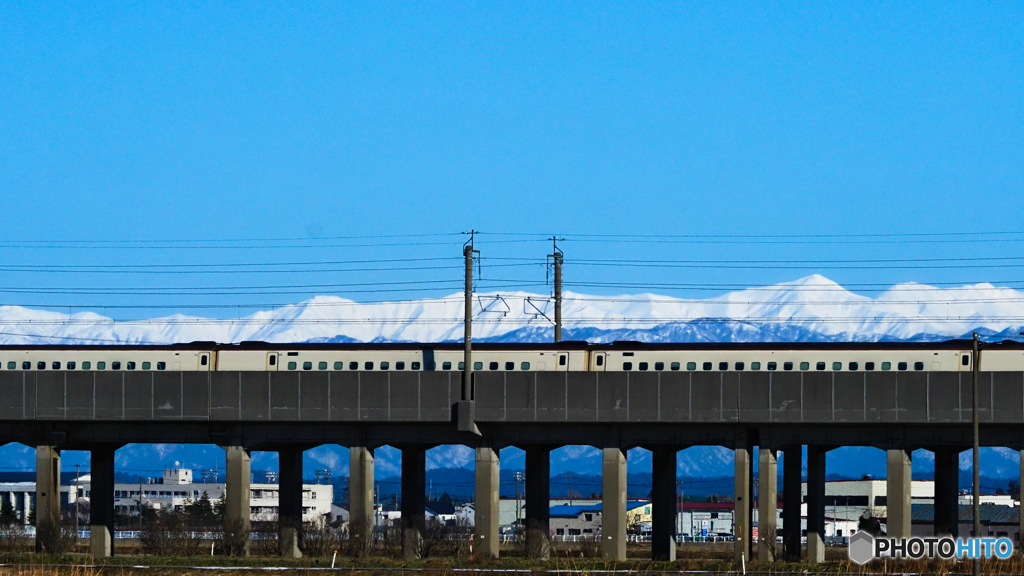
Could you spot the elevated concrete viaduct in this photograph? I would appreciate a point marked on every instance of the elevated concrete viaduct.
(288, 412)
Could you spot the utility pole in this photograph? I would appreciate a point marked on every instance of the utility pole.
(467, 374)
(976, 489)
(465, 408)
(518, 476)
(679, 513)
(78, 476)
(556, 258)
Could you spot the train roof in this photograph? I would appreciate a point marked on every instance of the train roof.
(961, 344)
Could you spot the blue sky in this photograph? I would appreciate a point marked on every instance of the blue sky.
(144, 123)
(171, 121)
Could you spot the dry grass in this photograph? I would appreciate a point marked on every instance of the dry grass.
(708, 559)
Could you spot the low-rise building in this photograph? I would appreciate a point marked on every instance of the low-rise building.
(172, 492)
(996, 520)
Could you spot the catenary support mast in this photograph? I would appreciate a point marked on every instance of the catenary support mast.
(975, 491)
(556, 257)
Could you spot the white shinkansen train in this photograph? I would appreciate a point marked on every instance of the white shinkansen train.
(949, 356)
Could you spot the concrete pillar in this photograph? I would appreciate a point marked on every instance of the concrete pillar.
(538, 495)
(486, 538)
(361, 517)
(236, 491)
(767, 505)
(664, 498)
(947, 480)
(414, 488)
(791, 501)
(816, 504)
(897, 493)
(741, 511)
(289, 501)
(47, 488)
(101, 502)
(613, 505)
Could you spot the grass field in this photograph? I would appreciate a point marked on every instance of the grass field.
(698, 558)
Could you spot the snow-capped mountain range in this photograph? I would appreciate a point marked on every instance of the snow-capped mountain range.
(811, 309)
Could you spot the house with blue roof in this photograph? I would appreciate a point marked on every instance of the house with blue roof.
(574, 522)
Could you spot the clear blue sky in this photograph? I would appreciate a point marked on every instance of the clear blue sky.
(157, 121)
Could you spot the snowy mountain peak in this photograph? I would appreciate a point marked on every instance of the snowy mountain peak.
(809, 308)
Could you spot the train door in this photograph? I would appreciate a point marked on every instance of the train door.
(963, 361)
(271, 365)
(600, 360)
(204, 361)
(562, 362)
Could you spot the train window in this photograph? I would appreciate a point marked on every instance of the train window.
(755, 365)
(339, 365)
(919, 366)
(146, 365)
(56, 365)
(787, 365)
(691, 365)
(307, 365)
(101, 365)
(415, 366)
(739, 365)
(510, 365)
(627, 353)
(837, 365)
(674, 366)
(159, 365)
(321, 366)
(353, 365)
(399, 365)
(643, 365)
(131, 365)
(707, 366)
(12, 365)
(901, 366)
(492, 365)
(385, 365)
(869, 365)
(40, 365)
(599, 360)
(293, 353)
(203, 360)
(659, 366)
(772, 366)
(26, 365)
(368, 365)
(273, 359)
(562, 360)
(627, 365)
(115, 365)
(478, 365)
(819, 366)
(292, 365)
(853, 366)
(446, 366)
(805, 365)
(462, 365)
(524, 366)
(723, 366)
(965, 360)
(886, 366)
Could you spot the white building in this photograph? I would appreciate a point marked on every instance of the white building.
(173, 491)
